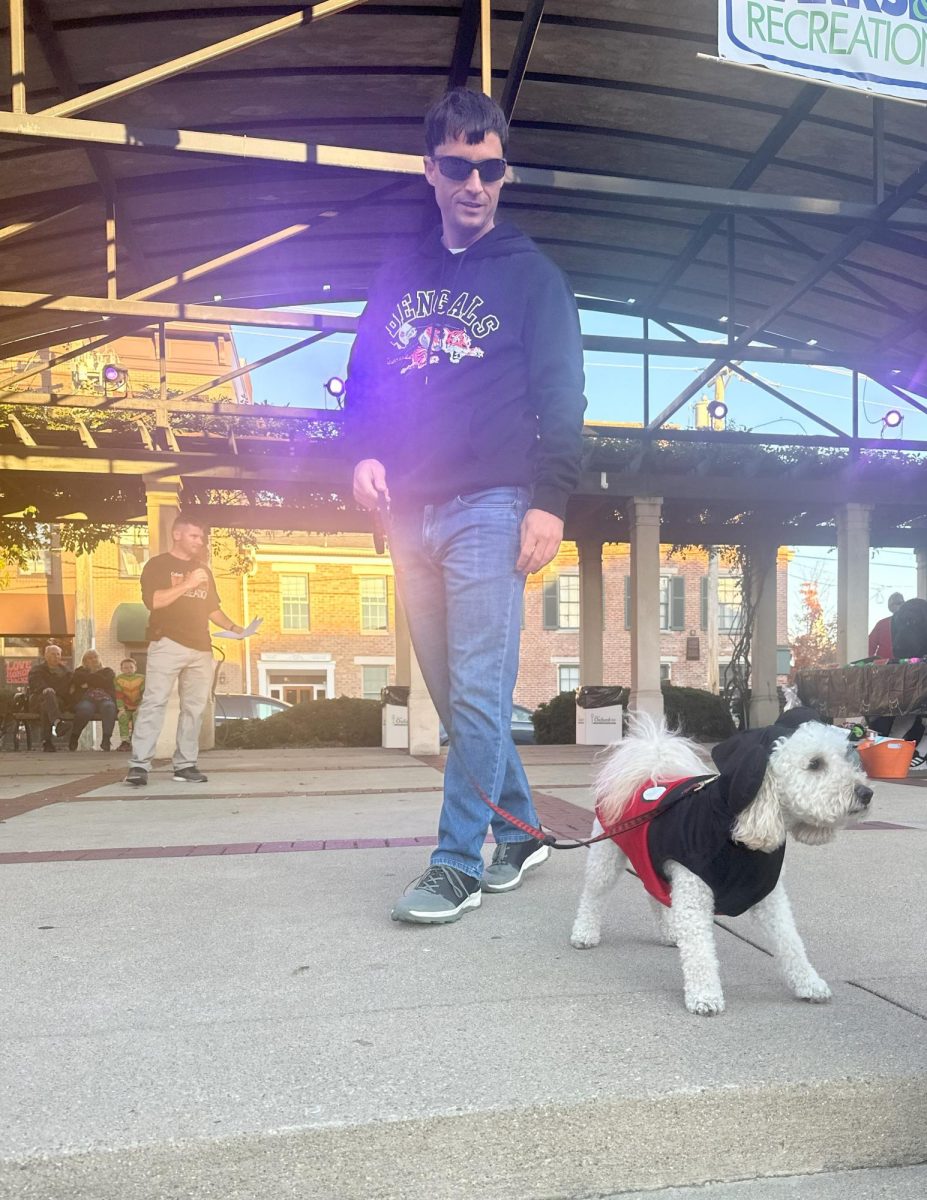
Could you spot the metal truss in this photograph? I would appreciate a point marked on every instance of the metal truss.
(887, 216)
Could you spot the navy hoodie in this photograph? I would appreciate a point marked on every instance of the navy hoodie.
(466, 373)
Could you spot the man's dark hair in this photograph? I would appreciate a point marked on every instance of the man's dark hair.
(195, 522)
(462, 113)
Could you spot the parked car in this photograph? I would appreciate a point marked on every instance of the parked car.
(522, 727)
(240, 706)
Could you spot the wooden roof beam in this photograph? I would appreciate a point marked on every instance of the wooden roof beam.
(198, 58)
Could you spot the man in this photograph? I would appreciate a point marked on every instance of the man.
(880, 636)
(180, 593)
(465, 402)
(48, 686)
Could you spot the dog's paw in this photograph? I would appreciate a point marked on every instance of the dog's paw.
(705, 1006)
(814, 990)
(584, 940)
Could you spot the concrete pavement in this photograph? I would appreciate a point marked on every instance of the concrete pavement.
(204, 998)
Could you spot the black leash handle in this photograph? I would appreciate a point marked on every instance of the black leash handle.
(380, 517)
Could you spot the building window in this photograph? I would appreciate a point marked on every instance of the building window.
(373, 681)
(666, 672)
(561, 602)
(730, 605)
(672, 602)
(568, 677)
(133, 552)
(37, 564)
(294, 603)
(374, 604)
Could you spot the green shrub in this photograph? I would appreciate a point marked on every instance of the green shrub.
(555, 721)
(342, 722)
(697, 713)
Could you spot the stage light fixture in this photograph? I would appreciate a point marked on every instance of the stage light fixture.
(717, 410)
(115, 380)
(892, 419)
(335, 387)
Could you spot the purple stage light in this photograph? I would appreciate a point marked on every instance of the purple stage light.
(892, 419)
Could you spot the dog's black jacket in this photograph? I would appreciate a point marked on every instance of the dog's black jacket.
(696, 831)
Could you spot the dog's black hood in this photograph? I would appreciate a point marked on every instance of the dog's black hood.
(743, 757)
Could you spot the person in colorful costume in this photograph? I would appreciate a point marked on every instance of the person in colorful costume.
(130, 685)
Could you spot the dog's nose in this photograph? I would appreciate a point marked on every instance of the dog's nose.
(863, 794)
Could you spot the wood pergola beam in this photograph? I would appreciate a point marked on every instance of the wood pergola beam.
(618, 187)
(152, 312)
(198, 58)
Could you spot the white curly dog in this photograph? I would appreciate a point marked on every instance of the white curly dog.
(719, 848)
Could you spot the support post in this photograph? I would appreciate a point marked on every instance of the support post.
(403, 645)
(591, 612)
(712, 665)
(920, 557)
(424, 734)
(852, 582)
(110, 204)
(644, 518)
(764, 700)
(18, 55)
(486, 46)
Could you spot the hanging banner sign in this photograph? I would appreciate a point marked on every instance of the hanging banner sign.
(879, 46)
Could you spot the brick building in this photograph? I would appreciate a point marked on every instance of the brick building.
(329, 616)
(328, 603)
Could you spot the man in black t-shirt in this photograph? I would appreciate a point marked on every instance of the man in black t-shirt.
(180, 593)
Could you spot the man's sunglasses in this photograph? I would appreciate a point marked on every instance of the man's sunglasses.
(491, 170)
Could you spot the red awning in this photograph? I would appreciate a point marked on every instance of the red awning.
(36, 615)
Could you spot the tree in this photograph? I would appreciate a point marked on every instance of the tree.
(815, 645)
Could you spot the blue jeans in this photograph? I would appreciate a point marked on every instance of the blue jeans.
(86, 710)
(455, 570)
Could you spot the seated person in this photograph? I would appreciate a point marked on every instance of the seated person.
(880, 636)
(48, 688)
(93, 694)
(130, 686)
(909, 630)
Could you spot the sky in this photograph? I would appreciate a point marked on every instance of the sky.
(614, 390)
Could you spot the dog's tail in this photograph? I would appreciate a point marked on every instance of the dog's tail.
(650, 751)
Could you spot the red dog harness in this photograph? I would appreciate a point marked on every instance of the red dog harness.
(633, 842)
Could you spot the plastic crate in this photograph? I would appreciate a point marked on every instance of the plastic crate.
(886, 760)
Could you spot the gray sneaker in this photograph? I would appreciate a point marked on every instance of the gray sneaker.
(137, 776)
(441, 895)
(510, 861)
(190, 775)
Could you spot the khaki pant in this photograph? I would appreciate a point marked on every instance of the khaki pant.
(192, 670)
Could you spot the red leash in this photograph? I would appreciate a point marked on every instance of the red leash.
(686, 788)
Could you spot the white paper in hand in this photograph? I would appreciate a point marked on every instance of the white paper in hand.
(244, 633)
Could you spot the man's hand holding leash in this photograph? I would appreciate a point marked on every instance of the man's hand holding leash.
(370, 483)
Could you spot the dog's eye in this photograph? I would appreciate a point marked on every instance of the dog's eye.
(816, 764)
